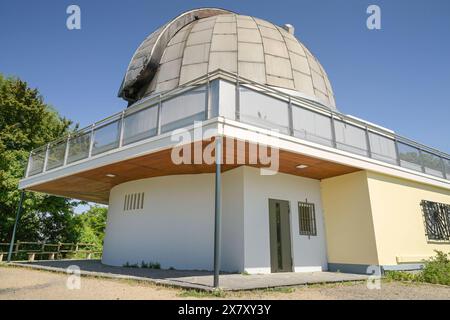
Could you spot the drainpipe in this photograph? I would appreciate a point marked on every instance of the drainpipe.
(217, 211)
(13, 237)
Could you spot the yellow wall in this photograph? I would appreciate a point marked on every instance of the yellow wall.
(348, 219)
(372, 218)
(398, 218)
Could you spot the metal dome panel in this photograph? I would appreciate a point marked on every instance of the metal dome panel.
(189, 47)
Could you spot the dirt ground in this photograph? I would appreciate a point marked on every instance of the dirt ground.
(20, 283)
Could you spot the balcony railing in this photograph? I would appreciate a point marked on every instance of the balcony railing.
(224, 94)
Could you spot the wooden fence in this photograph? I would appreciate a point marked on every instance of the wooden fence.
(48, 251)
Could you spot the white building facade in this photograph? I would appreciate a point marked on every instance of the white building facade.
(235, 85)
(176, 228)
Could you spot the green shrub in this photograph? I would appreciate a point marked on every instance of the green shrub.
(154, 265)
(128, 265)
(402, 276)
(437, 269)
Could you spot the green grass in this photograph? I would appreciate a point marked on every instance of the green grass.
(202, 294)
(403, 276)
(332, 284)
(279, 290)
(143, 265)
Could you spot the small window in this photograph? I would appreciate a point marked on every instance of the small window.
(133, 201)
(307, 219)
(437, 220)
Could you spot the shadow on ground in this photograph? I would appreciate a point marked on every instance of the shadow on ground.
(192, 279)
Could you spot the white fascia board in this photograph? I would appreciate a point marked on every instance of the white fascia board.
(250, 133)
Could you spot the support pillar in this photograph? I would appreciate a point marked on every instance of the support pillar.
(217, 211)
(13, 237)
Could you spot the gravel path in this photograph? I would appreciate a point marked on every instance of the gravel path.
(18, 283)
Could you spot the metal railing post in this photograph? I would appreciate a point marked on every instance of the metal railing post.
(238, 100)
(290, 118)
(369, 149)
(44, 169)
(397, 153)
(444, 172)
(66, 153)
(158, 123)
(333, 132)
(122, 118)
(421, 160)
(30, 159)
(91, 142)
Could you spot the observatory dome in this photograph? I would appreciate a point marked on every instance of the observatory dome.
(201, 41)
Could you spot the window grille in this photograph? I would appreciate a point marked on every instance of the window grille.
(437, 220)
(307, 219)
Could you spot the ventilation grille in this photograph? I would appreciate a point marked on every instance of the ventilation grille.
(133, 201)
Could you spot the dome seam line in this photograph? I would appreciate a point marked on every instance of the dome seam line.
(188, 34)
(264, 48)
(210, 44)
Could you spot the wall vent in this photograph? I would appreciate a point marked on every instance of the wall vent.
(133, 201)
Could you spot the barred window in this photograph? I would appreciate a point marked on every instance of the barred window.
(307, 219)
(437, 220)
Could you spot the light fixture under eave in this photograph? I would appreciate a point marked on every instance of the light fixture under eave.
(302, 166)
(110, 175)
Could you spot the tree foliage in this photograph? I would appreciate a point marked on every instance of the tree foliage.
(26, 122)
(91, 226)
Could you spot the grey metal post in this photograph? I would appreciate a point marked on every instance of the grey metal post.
(333, 132)
(290, 118)
(27, 172)
(47, 148)
(121, 122)
(421, 159)
(66, 152)
(158, 117)
(444, 171)
(238, 100)
(217, 213)
(397, 153)
(91, 141)
(13, 236)
(369, 149)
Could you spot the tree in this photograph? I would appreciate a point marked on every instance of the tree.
(26, 122)
(92, 225)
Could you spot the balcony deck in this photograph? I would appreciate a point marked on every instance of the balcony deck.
(95, 184)
(136, 143)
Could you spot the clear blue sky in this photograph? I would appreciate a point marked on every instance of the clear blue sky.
(398, 77)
